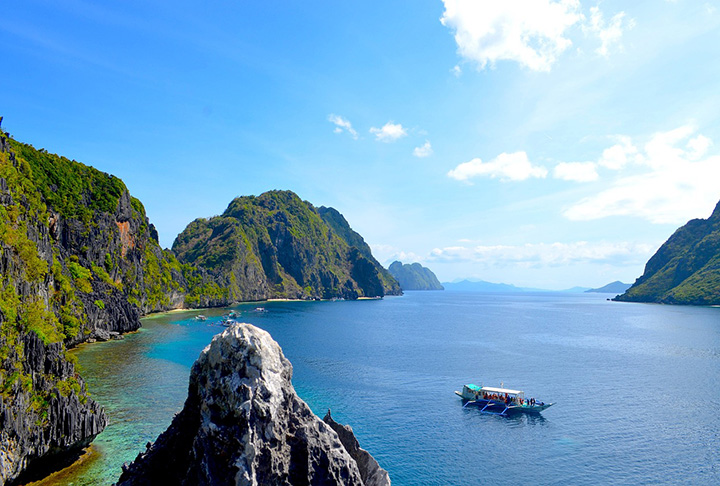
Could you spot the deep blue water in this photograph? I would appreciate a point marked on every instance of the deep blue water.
(636, 385)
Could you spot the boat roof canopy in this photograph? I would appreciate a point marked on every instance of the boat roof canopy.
(501, 390)
(473, 387)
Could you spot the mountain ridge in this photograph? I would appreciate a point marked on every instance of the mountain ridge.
(277, 246)
(685, 269)
(413, 276)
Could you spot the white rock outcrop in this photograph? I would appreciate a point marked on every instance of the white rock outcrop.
(243, 424)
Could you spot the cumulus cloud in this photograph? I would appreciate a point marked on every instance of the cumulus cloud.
(342, 125)
(534, 255)
(576, 171)
(620, 154)
(506, 167)
(424, 150)
(389, 132)
(531, 32)
(673, 180)
(389, 253)
(610, 32)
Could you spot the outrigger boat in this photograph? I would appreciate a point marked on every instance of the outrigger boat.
(500, 401)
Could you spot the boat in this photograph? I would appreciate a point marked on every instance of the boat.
(260, 309)
(200, 317)
(500, 401)
(232, 314)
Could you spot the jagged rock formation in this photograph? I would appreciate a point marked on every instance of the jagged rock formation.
(414, 276)
(370, 471)
(46, 415)
(243, 424)
(686, 268)
(277, 246)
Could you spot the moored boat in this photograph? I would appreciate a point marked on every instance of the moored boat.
(500, 401)
(200, 317)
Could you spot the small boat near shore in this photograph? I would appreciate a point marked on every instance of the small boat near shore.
(500, 401)
(200, 317)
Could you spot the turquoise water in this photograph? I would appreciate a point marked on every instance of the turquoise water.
(636, 385)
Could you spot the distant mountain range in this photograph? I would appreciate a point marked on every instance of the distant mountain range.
(480, 286)
(477, 285)
(686, 268)
(616, 287)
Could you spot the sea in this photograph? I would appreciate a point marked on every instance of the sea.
(635, 387)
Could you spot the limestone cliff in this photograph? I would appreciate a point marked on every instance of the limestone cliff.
(277, 246)
(243, 424)
(45, 411)
(79, 261)
(685, 269)
(414, 276)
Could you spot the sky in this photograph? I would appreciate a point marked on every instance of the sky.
(541, 143)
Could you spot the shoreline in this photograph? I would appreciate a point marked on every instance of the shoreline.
(86, 459)
(234, 304)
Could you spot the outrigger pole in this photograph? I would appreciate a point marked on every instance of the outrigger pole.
(489, 403)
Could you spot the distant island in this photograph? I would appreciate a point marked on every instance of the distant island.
(616, 287)
(686, 268)
(414, 276)
(481, 286)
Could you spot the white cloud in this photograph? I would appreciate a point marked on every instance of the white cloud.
(342, 124)
(457, 71)
(389, 132)
(534, 255)
(506, 167)
(698, 146)
(609, 33)
(673, 182)
(620, 154)
(576, 171)
(424, 150)
(531, 32)
(388, 254)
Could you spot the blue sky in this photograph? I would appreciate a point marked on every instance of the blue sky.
(535, 142)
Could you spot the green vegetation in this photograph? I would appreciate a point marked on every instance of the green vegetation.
(686, 268)
(414, 277)
(72, 189)
(276, 245)
(82, 276)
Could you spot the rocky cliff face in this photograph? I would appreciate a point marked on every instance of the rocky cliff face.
(46, 414)
(686, 268)
(277, 246)
(414, 277)
(370, 471)
(79, 261)
(243, 424)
